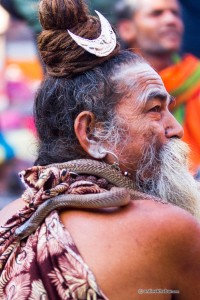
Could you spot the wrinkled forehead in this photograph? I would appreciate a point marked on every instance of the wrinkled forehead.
(142, 81)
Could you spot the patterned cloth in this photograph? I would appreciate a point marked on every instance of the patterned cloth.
(182, 80)
(47, 264)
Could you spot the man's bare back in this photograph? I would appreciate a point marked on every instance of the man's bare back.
(143, 247)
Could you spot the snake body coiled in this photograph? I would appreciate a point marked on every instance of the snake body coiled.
(116, 197)
(96, 168)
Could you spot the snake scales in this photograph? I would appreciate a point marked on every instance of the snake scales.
(116, 197)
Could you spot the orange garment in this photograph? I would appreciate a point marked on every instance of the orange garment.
(182, 80)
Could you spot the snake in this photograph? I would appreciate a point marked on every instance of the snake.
(118, 196)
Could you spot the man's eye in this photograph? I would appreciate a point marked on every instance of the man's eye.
(156, 108)
(156, 13)
(176, 13)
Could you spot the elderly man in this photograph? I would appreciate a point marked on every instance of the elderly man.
(111, 210)
(154, 29)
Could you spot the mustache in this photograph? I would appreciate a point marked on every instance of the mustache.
(177, 151)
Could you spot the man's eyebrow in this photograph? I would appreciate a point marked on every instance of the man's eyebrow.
(161, 95)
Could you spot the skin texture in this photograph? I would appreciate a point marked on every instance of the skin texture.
(139, 246)
(155, 31)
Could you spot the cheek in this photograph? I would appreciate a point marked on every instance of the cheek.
(146, 28)
(180, 26)
(148, 38)
(157, 130)
(130, 147)
(150, 27)
(137, 142)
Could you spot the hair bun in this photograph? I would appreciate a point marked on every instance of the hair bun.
(62, 14)
(62, 56)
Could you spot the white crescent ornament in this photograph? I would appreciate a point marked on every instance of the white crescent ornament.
(103, 45)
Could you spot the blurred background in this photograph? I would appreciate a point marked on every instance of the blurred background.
(21, 73)
(20, 76)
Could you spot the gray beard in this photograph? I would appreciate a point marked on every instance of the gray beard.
(164, 173)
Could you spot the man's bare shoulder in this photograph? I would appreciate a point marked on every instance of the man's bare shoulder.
(145, 219)
(168, 221)
(167, 218)
(143, 236)
(161, 216)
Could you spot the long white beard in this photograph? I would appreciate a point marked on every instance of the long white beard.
(165, 174)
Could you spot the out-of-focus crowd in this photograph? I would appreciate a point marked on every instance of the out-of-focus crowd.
(21, 72)
(20, 76)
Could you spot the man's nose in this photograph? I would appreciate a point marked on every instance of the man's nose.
(170, 17)
(173, 128)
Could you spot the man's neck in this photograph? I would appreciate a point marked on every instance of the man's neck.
(158, 61)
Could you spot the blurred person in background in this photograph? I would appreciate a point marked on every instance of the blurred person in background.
(155, 29)
(107, 138)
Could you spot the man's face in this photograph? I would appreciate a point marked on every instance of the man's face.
(158, 26)
(151, 150)
(145, 115)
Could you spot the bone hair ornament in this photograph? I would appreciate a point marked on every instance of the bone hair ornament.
(103, 45)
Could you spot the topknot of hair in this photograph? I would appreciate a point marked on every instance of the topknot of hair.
(62, 56)
(62, 14)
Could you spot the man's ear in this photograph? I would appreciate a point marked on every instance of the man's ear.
(84, 126)
(127, 31)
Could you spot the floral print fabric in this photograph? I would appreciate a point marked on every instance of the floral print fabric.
(47, 264)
